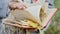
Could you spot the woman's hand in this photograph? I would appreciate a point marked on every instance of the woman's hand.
(20, 6)
(17, 5)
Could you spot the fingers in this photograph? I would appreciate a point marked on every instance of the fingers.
(17, 5)
(21, 6)
(12, 5)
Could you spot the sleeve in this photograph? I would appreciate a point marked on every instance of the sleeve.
(4, 8)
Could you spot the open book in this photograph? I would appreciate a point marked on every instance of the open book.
(50, 13)
(32, 13)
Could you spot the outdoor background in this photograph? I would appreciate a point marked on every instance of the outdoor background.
(54, 28)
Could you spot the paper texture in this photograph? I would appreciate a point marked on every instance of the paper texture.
(50, 14)
(35, 11)
(31, 13)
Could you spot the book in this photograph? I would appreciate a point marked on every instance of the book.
(31, 13)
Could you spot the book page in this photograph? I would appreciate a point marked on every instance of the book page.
(50, 14)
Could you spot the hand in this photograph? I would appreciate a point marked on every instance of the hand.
(17, 5)
(20, 6)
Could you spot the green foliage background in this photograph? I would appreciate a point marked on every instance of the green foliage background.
(54, 27)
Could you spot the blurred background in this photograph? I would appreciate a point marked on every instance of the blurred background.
(54, 27)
